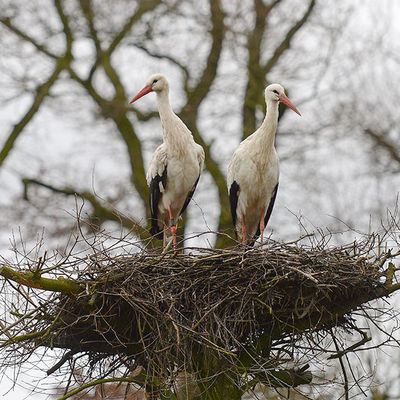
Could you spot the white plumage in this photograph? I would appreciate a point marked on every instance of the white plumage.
(176, 164)
(253, 173)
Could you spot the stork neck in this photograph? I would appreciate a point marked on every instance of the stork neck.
(268, 127)
(164, 108)
(175, 132)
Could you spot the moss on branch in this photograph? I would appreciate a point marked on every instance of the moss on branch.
(36, 281)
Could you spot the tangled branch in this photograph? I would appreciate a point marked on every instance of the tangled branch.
(233, 313)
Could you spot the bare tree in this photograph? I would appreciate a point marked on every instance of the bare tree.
(97, 79)
(79, 62)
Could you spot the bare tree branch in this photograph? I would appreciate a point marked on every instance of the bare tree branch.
(382, 140)
(26, 38)
(100, 213)
(41, 93)
(189, 113)
(257, 71)
(256, 74)
(285, 44)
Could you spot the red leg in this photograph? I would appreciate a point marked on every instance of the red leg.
(262, 226)
(244, 231)
(172, 226)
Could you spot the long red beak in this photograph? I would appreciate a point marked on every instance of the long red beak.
(144, 91)
(285, 100)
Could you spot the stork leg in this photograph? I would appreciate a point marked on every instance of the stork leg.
(172, 227)
(262, 226)
(244, 231)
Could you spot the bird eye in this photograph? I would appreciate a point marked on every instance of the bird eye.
(155, 81)
(275, 91)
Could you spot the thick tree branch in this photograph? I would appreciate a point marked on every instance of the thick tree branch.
(256, 70)
(35, 280)
(200, 91)
(382, 141)
(41, 93)
(42, 90)
(190, 113)
(256, 76)
(86, 6)
(66, 27)
(7, 22)
(116, 109)
(100, 213)
(144, 7)
(285, 44)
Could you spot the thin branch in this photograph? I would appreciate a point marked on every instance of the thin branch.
(341, 353)
(145, 6)
(99, 382)
(66, 357)
(346, 380)
(287, 378)
(169, 58)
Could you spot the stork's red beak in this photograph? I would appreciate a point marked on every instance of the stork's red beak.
(144, 91)
(285, 100)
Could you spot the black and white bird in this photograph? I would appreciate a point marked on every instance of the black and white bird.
(175, 167)
(253, 173)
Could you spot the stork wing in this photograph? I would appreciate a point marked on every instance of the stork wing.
(157, 180)
(268, 213)
(189, 196)
(200, 158)
(234, 191)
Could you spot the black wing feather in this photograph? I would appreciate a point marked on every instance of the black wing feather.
(189, 196)
(268, 213)
(155, 196)
(233, 199)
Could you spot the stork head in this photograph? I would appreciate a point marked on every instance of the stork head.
(276, 93)
(156, 83)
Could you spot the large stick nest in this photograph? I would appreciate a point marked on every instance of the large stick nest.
(180, 312)
(159, 309)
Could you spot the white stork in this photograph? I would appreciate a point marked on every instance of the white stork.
(175, 167)
(253, 173)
